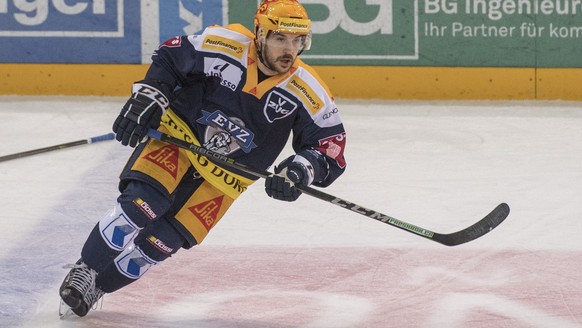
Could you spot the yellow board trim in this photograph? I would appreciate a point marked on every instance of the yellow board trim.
(69, 79)
(379, 82)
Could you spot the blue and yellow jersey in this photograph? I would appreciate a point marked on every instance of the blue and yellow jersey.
(212, 83)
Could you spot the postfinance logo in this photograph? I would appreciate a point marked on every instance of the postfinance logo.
(224, 45)
(309, 97)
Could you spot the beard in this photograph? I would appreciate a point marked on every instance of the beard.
(281, 64)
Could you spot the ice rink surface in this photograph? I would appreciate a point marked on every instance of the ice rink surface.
(439, 165)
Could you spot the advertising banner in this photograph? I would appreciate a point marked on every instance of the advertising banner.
(471, 33)
(59, 31)
(97, 31)
(435, 33)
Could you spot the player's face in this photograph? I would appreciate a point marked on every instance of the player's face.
(281, 50)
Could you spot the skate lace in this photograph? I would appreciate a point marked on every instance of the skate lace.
(83, 279)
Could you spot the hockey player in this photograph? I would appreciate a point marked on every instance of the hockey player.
(238, 92)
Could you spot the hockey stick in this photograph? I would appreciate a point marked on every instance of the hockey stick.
(109, 136)
(488, 223)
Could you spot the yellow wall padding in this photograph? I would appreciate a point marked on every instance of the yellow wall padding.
(373, 82)
(69, 79)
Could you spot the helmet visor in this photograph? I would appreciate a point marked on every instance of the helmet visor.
(297, 42)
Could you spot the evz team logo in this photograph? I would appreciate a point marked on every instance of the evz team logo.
(278, 107)
(224, 134)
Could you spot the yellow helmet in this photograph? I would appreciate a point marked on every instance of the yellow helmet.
(282, 16)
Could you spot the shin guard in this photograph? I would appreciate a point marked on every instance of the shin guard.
(133, 262)
(109, 237)
(117, 229)
(157, 242)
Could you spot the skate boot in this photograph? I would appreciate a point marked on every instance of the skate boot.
(78, 290)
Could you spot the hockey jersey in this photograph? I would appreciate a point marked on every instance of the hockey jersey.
(212, 83)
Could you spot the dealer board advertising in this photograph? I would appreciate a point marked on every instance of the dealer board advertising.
(468, 33)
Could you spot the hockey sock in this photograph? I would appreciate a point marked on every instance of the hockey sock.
(153, 245)
(108, 238)
(120, 226)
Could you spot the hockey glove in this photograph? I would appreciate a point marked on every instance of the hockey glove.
(142, 111)
(294, 170)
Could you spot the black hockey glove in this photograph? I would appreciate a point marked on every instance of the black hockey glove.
(142, 111)
(281, 185)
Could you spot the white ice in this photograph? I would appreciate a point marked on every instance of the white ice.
(438, 165)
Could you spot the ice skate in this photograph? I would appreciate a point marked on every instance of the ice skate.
(78, 291)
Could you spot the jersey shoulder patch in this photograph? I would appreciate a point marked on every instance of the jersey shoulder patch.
(314, 94)
(308, 88)
(221, 40)
(312, 72)
(174, 42)
(310, 94)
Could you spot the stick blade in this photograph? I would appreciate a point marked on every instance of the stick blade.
(479, 229)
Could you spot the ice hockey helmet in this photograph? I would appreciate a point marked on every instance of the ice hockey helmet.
(283, 16)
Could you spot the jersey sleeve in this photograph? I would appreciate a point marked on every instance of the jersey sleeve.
(183, 59)
(318, 133)
(172, 64)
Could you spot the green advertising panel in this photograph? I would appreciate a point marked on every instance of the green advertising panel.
(468, 33)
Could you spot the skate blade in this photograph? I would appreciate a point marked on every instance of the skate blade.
(65, 311)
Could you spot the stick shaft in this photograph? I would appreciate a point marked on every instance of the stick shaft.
(475, 231)
(109, 136)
